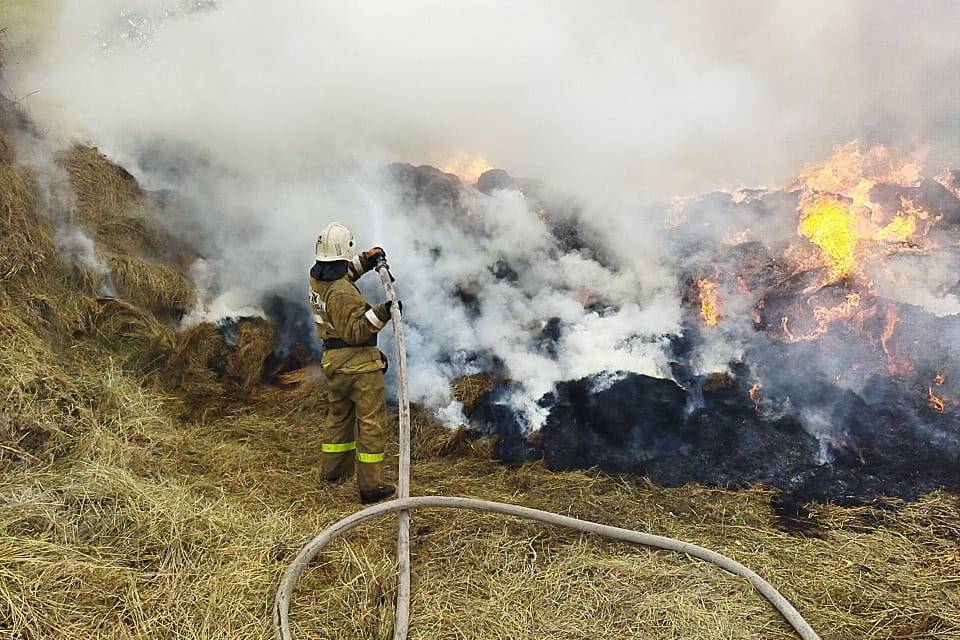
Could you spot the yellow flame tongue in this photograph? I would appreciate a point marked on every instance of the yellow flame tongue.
(829, 225)
(709, 302)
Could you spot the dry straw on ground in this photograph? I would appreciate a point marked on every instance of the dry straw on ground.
(151, 486)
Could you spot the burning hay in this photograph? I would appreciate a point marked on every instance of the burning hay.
(469, 389)
(837, 384)
(213, 365)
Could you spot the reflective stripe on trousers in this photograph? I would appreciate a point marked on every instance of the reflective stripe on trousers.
(356, 414)
(343, 447)
(337, 447)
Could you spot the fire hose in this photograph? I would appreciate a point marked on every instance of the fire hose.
(404, 503)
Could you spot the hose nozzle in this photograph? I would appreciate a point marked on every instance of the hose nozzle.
(382, 264)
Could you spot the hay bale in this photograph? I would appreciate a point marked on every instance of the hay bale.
(21, 439)
(255, 339)
(430, 439)
(111, 204)
(6, 149)
(102, 188)
(718, 380)
(297, 394)
(149, 284)
(212, 372)
(25, 243)
(133, 333)
(199, 357)
(468, 389)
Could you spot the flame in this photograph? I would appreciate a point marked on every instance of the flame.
(758, 311)
(853, 174)
(742, 285)
(837, 214)
(466, 166)
(824, 316)
(828, 225)
(899, 229)
(755, 395)
(936, 402)
(895, 364)
(709, 302)
(785, 327)
(949, 179)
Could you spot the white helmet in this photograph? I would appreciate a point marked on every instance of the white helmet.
(336, 243)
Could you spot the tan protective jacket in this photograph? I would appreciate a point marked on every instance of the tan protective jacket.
(341, 313)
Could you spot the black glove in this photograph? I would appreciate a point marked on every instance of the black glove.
(399, 306)
(374, 255)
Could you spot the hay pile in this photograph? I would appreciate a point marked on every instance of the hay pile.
(152, 486)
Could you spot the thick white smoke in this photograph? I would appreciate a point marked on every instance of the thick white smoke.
(267, 120)
(671, 97)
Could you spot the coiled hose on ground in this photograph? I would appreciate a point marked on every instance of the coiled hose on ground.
(403, 503)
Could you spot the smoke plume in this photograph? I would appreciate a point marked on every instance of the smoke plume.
(265, 121)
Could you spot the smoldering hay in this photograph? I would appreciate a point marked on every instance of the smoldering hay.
(799, 303)
(819, 360)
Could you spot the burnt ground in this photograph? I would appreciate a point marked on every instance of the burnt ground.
(878, 446)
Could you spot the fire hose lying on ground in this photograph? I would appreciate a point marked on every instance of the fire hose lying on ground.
(404, 503)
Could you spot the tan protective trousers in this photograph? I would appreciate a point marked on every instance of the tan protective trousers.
(354, 429)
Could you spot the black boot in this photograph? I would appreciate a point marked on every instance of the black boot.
(376, 495)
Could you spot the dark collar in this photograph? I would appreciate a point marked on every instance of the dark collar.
(328, 271)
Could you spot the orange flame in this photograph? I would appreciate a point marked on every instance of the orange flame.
(823, 317)
(785, 327)
(895, 364)
(853, 174)
(837, 214)
(827, 222)
(466, 166)
(950, 181)
(936, 402)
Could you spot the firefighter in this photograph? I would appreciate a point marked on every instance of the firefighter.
(354, 433)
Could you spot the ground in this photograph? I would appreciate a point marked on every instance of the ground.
(152, 485)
